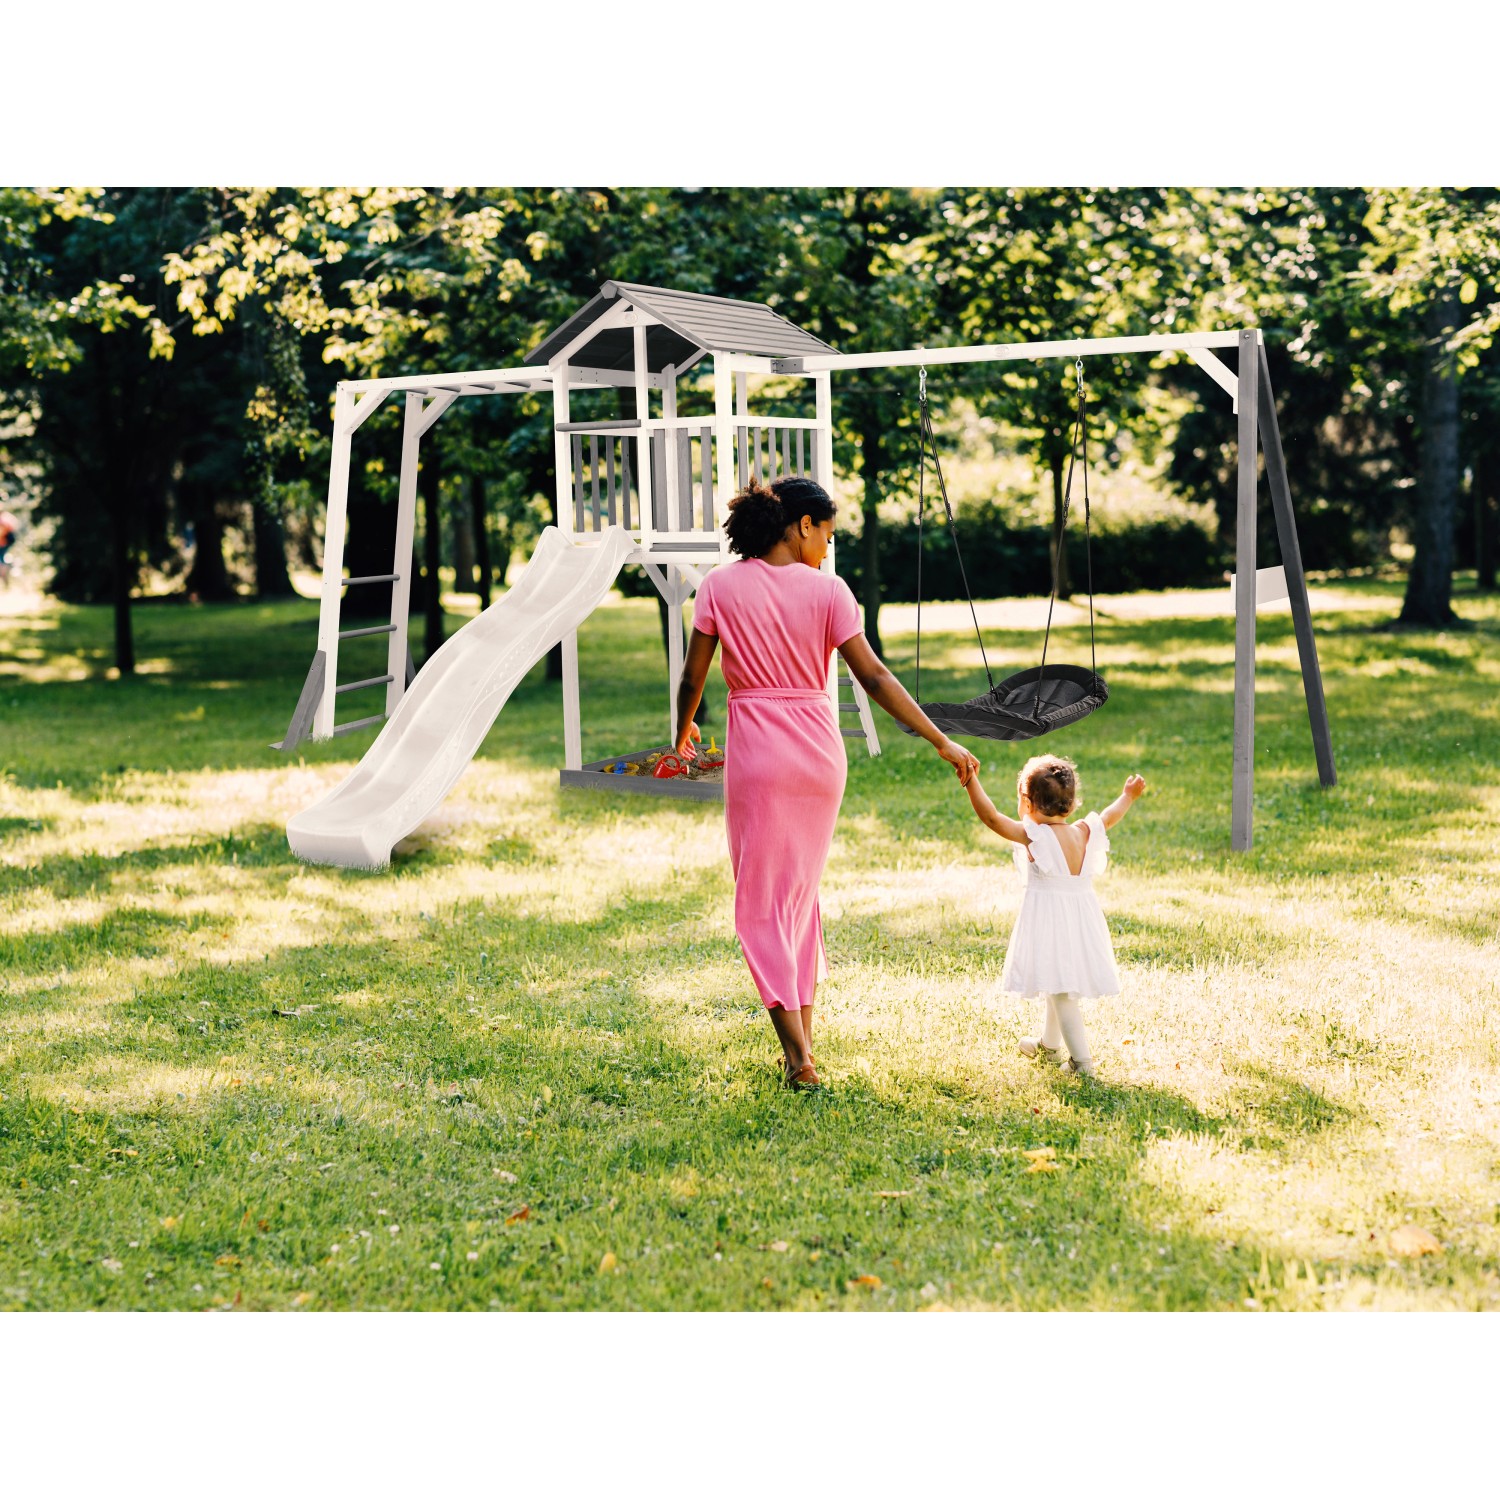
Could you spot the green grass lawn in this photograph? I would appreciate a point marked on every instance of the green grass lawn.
(525, 1068)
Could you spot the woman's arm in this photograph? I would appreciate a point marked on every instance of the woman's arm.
(993, 818)
(700, 656)
(885, 688)
(1134, 786)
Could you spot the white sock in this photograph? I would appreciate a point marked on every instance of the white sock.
(1051, 1036)
(1070, 1022)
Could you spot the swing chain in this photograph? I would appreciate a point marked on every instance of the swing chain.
(1078, 366)
(922, 385)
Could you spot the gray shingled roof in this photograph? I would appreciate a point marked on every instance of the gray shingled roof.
(690, 322)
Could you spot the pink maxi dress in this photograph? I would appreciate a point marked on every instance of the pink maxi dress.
(784, 762)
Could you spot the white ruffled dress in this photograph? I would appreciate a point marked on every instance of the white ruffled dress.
(1061, 941)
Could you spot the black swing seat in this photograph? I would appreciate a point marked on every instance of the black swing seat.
(1040, 699)
(1017, 709)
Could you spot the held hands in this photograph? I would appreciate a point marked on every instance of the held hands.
(687, 737)
(1134, 786)
(964, 764)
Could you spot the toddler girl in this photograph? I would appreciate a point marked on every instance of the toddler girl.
(1060, 949)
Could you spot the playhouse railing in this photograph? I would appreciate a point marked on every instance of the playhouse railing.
(775, 448)
(677, 508)
(602, 461)
(672, 505)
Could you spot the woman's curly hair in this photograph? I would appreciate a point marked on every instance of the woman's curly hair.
(1051, 784)
(760, 514)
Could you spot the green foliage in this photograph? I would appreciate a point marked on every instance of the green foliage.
(1004, 559)
(238, 309)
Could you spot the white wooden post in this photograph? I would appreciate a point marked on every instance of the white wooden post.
(822, 436)
(563, 458)
(823, 433)
(572, 715)
(562, 450)
(724, 444)
(676, 597)
(643, 435)
(669, 415)
(334, 529)
(401, 562)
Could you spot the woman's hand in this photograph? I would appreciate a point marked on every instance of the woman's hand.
(687, 737)
(964, 764)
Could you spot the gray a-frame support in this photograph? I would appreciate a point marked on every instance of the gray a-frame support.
(1242, 796)
(1291, 561)
(307, 705)
(1257, 427)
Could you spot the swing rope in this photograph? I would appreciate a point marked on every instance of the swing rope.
(927, 443)
(1039, 699)
(1080, 444)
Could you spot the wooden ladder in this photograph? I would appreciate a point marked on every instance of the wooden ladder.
(859, 704)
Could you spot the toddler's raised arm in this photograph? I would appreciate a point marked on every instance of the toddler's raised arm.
(1134, 786)
(992, 817)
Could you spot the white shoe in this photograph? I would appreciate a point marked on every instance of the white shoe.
(1082, 1070)
(1032, 1047)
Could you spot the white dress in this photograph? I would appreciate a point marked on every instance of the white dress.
(1061, 941)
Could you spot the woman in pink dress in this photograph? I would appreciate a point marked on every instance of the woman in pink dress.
(780, 619)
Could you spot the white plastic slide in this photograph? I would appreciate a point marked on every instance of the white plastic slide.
(445, 714)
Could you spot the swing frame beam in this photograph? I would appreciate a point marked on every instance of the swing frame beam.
(1249, 386)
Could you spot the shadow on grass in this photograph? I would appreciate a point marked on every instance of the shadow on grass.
(504, 1087)
(67, 876)
(132, 932)
(1282, 1110)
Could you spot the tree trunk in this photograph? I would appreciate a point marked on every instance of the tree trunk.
(1429, 585)
(1486, 520)
(369, 546)
(1058, 552)
(872, 464)
(463, 537)
(123, 579)
(479, 526)
(272, 580)
(208, 577)
(430, 481)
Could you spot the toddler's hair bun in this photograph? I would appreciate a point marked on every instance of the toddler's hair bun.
(1050, 783)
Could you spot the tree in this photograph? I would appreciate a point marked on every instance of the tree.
(1289, 262)
(1025, 265)
(846, 265)
(1434, 253)
(111, 436)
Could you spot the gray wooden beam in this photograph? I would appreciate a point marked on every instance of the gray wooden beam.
(1242, 815)
(1296, 579)
(577, 448)
(307, 705)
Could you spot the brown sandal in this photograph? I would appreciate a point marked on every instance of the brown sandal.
(806, 1077)
(779, 1063)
